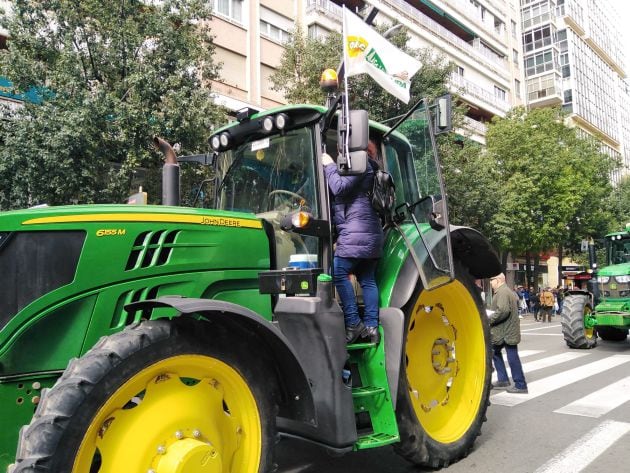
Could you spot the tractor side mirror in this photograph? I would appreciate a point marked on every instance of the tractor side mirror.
(357, 161)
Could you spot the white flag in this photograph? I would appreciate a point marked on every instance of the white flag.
(366, 51)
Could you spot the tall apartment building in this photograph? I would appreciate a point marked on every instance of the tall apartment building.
(573, 58)
(482, 37)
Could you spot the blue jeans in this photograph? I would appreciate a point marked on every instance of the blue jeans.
(515, 365)
(364, 270)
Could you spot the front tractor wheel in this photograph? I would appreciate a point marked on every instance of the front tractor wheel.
(577, 324)
(155, 398)
(445, 375)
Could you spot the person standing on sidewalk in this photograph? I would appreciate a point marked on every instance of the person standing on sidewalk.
(546, 305)
(505, 332)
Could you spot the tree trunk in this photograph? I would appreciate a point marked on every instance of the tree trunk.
(536, 263)
(560, 266)
(528, 271)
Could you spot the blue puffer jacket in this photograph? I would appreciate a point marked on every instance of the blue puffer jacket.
(360, 234)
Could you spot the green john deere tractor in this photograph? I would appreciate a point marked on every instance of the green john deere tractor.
(603, 308)
(167, 339)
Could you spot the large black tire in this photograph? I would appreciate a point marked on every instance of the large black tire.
(612, 334)
(575, 309)
(156, 395)
(445, 375)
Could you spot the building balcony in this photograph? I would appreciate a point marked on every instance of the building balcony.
(464, 87)
(495, 63)
(327, 7)
(475, 130)
(472, 14)
(545, 97)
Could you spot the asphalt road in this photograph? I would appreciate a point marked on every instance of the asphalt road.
(575, 418)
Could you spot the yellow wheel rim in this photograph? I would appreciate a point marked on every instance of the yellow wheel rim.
(446, 361)
(188, 413)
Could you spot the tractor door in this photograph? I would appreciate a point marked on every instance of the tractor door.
(410, 156)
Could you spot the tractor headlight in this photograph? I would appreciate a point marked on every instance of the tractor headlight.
(215, 142)
(281, 121)
(225, 139)
(603, 279)
(623, 279)
(267, 124)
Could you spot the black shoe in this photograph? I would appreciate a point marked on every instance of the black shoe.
(371, 334)
(353, 332)
(501, 385)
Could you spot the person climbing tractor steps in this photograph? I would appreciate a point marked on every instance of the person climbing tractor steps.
(359, 246)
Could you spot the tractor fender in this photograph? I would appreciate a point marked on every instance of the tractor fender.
(265, 341)
(470, 247)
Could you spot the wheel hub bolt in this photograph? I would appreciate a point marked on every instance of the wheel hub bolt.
(196, 434)
(179, 435)
(161, 450)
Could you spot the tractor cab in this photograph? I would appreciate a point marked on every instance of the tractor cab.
(269, 164)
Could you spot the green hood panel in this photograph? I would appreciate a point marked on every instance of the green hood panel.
(615, 270)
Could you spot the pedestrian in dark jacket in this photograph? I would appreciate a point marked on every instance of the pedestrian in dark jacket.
(505, 332)
(358, 248)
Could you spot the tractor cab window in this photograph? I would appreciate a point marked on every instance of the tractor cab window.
(619, 250)
(271, 177)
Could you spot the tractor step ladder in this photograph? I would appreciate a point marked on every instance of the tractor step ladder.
(372, 397)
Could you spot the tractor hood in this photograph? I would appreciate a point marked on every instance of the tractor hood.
(60, 217)
(615, 270)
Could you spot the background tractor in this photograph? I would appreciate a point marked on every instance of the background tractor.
(160, 338)
(602, 309)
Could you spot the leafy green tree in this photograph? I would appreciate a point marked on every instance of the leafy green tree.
(552, 182)
(303, 61)
(111, 75)
(620, 203)
(471, 177)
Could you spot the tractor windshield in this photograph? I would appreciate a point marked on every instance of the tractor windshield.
(618, 249)
(272, 177)
(274, 174)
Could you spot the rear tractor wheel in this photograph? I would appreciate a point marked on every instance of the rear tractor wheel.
(152, 398)
(445, 374)
(578, 326)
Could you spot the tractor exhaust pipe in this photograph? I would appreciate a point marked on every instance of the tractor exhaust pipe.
(170, 172)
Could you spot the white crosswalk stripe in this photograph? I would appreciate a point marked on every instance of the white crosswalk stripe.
(546, 362)
(551, 383)
(581, 453)
(600, 402)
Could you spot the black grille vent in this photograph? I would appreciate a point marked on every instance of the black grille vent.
(123, 318)
(151, 248)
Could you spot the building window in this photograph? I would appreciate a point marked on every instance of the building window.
(514, 30)
(536, 14)
(232, 9)
(568, 96)
(499, 93)
(460, 71)
(316, 31)
(273, 32)
(517, 88)
(538, 38)
(515, 56)
(539, 63)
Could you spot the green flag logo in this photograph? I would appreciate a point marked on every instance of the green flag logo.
(373, 58)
